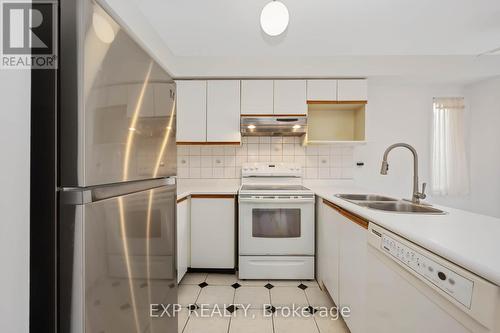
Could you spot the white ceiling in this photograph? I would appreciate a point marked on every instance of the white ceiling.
(327, 27)
(430, 40)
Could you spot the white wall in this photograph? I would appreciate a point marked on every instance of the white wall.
(398, 111)
(483, 124)
(401, 111)
(14, 200)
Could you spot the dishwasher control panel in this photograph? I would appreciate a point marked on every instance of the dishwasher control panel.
(453, 284)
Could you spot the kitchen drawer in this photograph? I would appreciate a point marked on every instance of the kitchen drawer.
(255, 267)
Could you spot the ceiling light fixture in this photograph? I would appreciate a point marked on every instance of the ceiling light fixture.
(274, 18)
(296, 126)
(251, 127)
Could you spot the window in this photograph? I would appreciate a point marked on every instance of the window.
(449, 161)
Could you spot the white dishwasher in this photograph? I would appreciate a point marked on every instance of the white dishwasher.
(412, 290)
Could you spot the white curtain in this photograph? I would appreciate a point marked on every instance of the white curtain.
(450, 174)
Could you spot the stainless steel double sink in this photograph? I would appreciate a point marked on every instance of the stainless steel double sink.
(388, 204)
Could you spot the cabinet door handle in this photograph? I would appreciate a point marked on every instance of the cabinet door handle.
(362, 222)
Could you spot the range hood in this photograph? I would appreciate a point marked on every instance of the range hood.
(273, 125)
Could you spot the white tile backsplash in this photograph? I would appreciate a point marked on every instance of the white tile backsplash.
(206, 151)
(324, 161)
(194, 150)
(317, 161)
(288, 149)
(207, 172)
(264, 139)
(218, 150)
(218, 161)
(183, 150)
(194, 172)
(194, 161)
(299, 150)
(277, 149)
(253, 139)
(230, 161)
(218, 173)
(253, 158)
(253, 149)
(206, 161)
(264, 149)
(323, 173)
(312, 161)
(229, 151)
(312, 150)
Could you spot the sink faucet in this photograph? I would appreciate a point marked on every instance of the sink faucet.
(385, 167)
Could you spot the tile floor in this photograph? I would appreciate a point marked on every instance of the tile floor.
(200, 291)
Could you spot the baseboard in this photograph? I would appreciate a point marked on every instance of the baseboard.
(212, 270)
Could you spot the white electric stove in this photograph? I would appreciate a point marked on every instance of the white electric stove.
(276, 223)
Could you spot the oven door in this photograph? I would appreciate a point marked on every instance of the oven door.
(276, 226)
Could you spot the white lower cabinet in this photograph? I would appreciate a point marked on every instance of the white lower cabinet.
(183, 238)
(328, 248)
(342, 259)
(352, 273)
(212, 231)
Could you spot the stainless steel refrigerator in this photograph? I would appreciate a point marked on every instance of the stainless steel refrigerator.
(117, 167)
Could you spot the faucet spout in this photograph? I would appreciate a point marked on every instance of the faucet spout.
(416, 195)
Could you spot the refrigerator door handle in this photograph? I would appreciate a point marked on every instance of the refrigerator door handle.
(85, 195)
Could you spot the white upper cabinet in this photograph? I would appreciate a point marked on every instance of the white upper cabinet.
(191, 111)
(257, 97)
(352, 90)
(290, 97)
(321, 90)
(223, 111)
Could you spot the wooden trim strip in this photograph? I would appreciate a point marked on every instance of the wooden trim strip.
(213, 196)
(183, 199)
(213, 143)
(273, 115)
(362, 222)
(337, 102)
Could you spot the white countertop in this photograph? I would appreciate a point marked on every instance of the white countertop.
(469, 240)
(186, 187)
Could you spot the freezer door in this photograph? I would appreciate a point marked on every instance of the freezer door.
(118, 258)
(117, 110)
